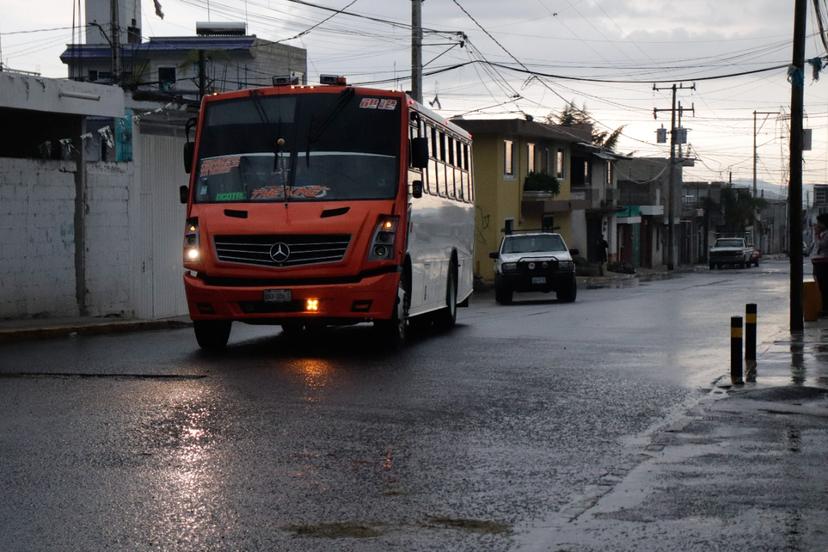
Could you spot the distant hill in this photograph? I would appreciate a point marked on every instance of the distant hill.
(775, 191)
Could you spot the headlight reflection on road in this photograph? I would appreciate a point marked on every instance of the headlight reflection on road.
(316, 375)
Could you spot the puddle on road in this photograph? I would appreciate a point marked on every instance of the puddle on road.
(474, 525)
(335, 530)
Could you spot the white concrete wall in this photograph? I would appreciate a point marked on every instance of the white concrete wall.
(37, 238)
(107, 239)
(579, 231)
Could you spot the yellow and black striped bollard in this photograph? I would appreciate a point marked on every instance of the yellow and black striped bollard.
(736, 350)
(750, 342)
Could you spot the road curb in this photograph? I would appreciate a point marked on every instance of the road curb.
(89, 328)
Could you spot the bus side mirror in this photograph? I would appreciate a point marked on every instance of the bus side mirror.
(419, 153)
(189, 149)
(494, 255)
(183, 194)
(417, 188)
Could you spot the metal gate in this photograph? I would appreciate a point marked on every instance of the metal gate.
(159, 289)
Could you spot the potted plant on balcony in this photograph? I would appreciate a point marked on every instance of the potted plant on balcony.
(541, 182)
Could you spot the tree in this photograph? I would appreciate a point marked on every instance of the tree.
(571, 116)
(739, 209)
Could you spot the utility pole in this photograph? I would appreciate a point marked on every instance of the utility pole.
(202, 76)
(417, 50)
(755, 150)
(797, 78)
(115, 33)
(671, 245)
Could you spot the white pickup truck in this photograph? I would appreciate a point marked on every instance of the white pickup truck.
(731, 251)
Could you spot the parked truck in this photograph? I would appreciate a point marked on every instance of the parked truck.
(731, 251)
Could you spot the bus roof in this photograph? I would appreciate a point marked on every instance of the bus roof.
(333, 89)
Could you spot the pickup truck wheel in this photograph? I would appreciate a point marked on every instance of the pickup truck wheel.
(503, 294)
(569, 291)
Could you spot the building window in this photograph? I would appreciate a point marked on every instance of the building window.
(559, 163)
(166, 78)
(93, 75)
(530, 157)
(545, 168)
(508, 153)
(609, 172)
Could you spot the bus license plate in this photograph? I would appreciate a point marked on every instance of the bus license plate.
(539, 279)
(277, 296)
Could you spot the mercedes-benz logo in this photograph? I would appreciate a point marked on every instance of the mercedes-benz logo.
(279, 252)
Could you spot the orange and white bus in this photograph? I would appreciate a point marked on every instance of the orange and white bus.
(325, 205)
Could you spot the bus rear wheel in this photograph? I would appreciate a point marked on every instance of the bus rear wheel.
(447, 317)
(212, 335)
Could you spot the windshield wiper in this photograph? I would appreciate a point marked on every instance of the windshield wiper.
(314, 134)
(277, 143)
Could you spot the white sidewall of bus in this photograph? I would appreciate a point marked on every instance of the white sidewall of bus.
(438, 226)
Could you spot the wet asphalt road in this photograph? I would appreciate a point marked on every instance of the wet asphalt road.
(462, 441)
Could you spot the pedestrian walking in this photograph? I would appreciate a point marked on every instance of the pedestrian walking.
(603, 248)
(819, 259)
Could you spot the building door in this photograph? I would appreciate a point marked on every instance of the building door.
(646, 243)
(160, 171)
(593, 225)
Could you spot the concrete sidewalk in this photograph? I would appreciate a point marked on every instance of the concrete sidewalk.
(34, 328)
(744, 468)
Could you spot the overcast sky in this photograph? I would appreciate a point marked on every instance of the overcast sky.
(631, 40)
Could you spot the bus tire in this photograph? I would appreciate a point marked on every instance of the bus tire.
(447, 317)
(212, 335)
(394, 331)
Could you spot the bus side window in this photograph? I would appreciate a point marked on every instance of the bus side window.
(442, 147)
(433, 140)
(452, 170)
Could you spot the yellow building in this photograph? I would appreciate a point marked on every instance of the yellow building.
(505, 151)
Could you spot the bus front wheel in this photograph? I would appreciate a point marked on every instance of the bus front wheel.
(395, 330)
(212, 335)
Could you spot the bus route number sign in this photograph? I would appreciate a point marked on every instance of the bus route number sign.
(277, 296)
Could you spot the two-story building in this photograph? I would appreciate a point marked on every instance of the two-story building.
(219, 58)
(594, 180)
(644, 191)
(522, 177)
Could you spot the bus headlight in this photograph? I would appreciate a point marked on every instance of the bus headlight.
(382, 243)
(192, 248)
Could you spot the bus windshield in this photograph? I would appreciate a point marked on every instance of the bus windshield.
(306, 147)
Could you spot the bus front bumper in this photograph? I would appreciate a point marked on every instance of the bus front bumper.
(369, 298)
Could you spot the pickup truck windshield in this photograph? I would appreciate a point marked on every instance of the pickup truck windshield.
(730, 243)
(533, 244)
(306, 147)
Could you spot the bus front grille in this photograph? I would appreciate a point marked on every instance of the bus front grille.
(282, 251)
